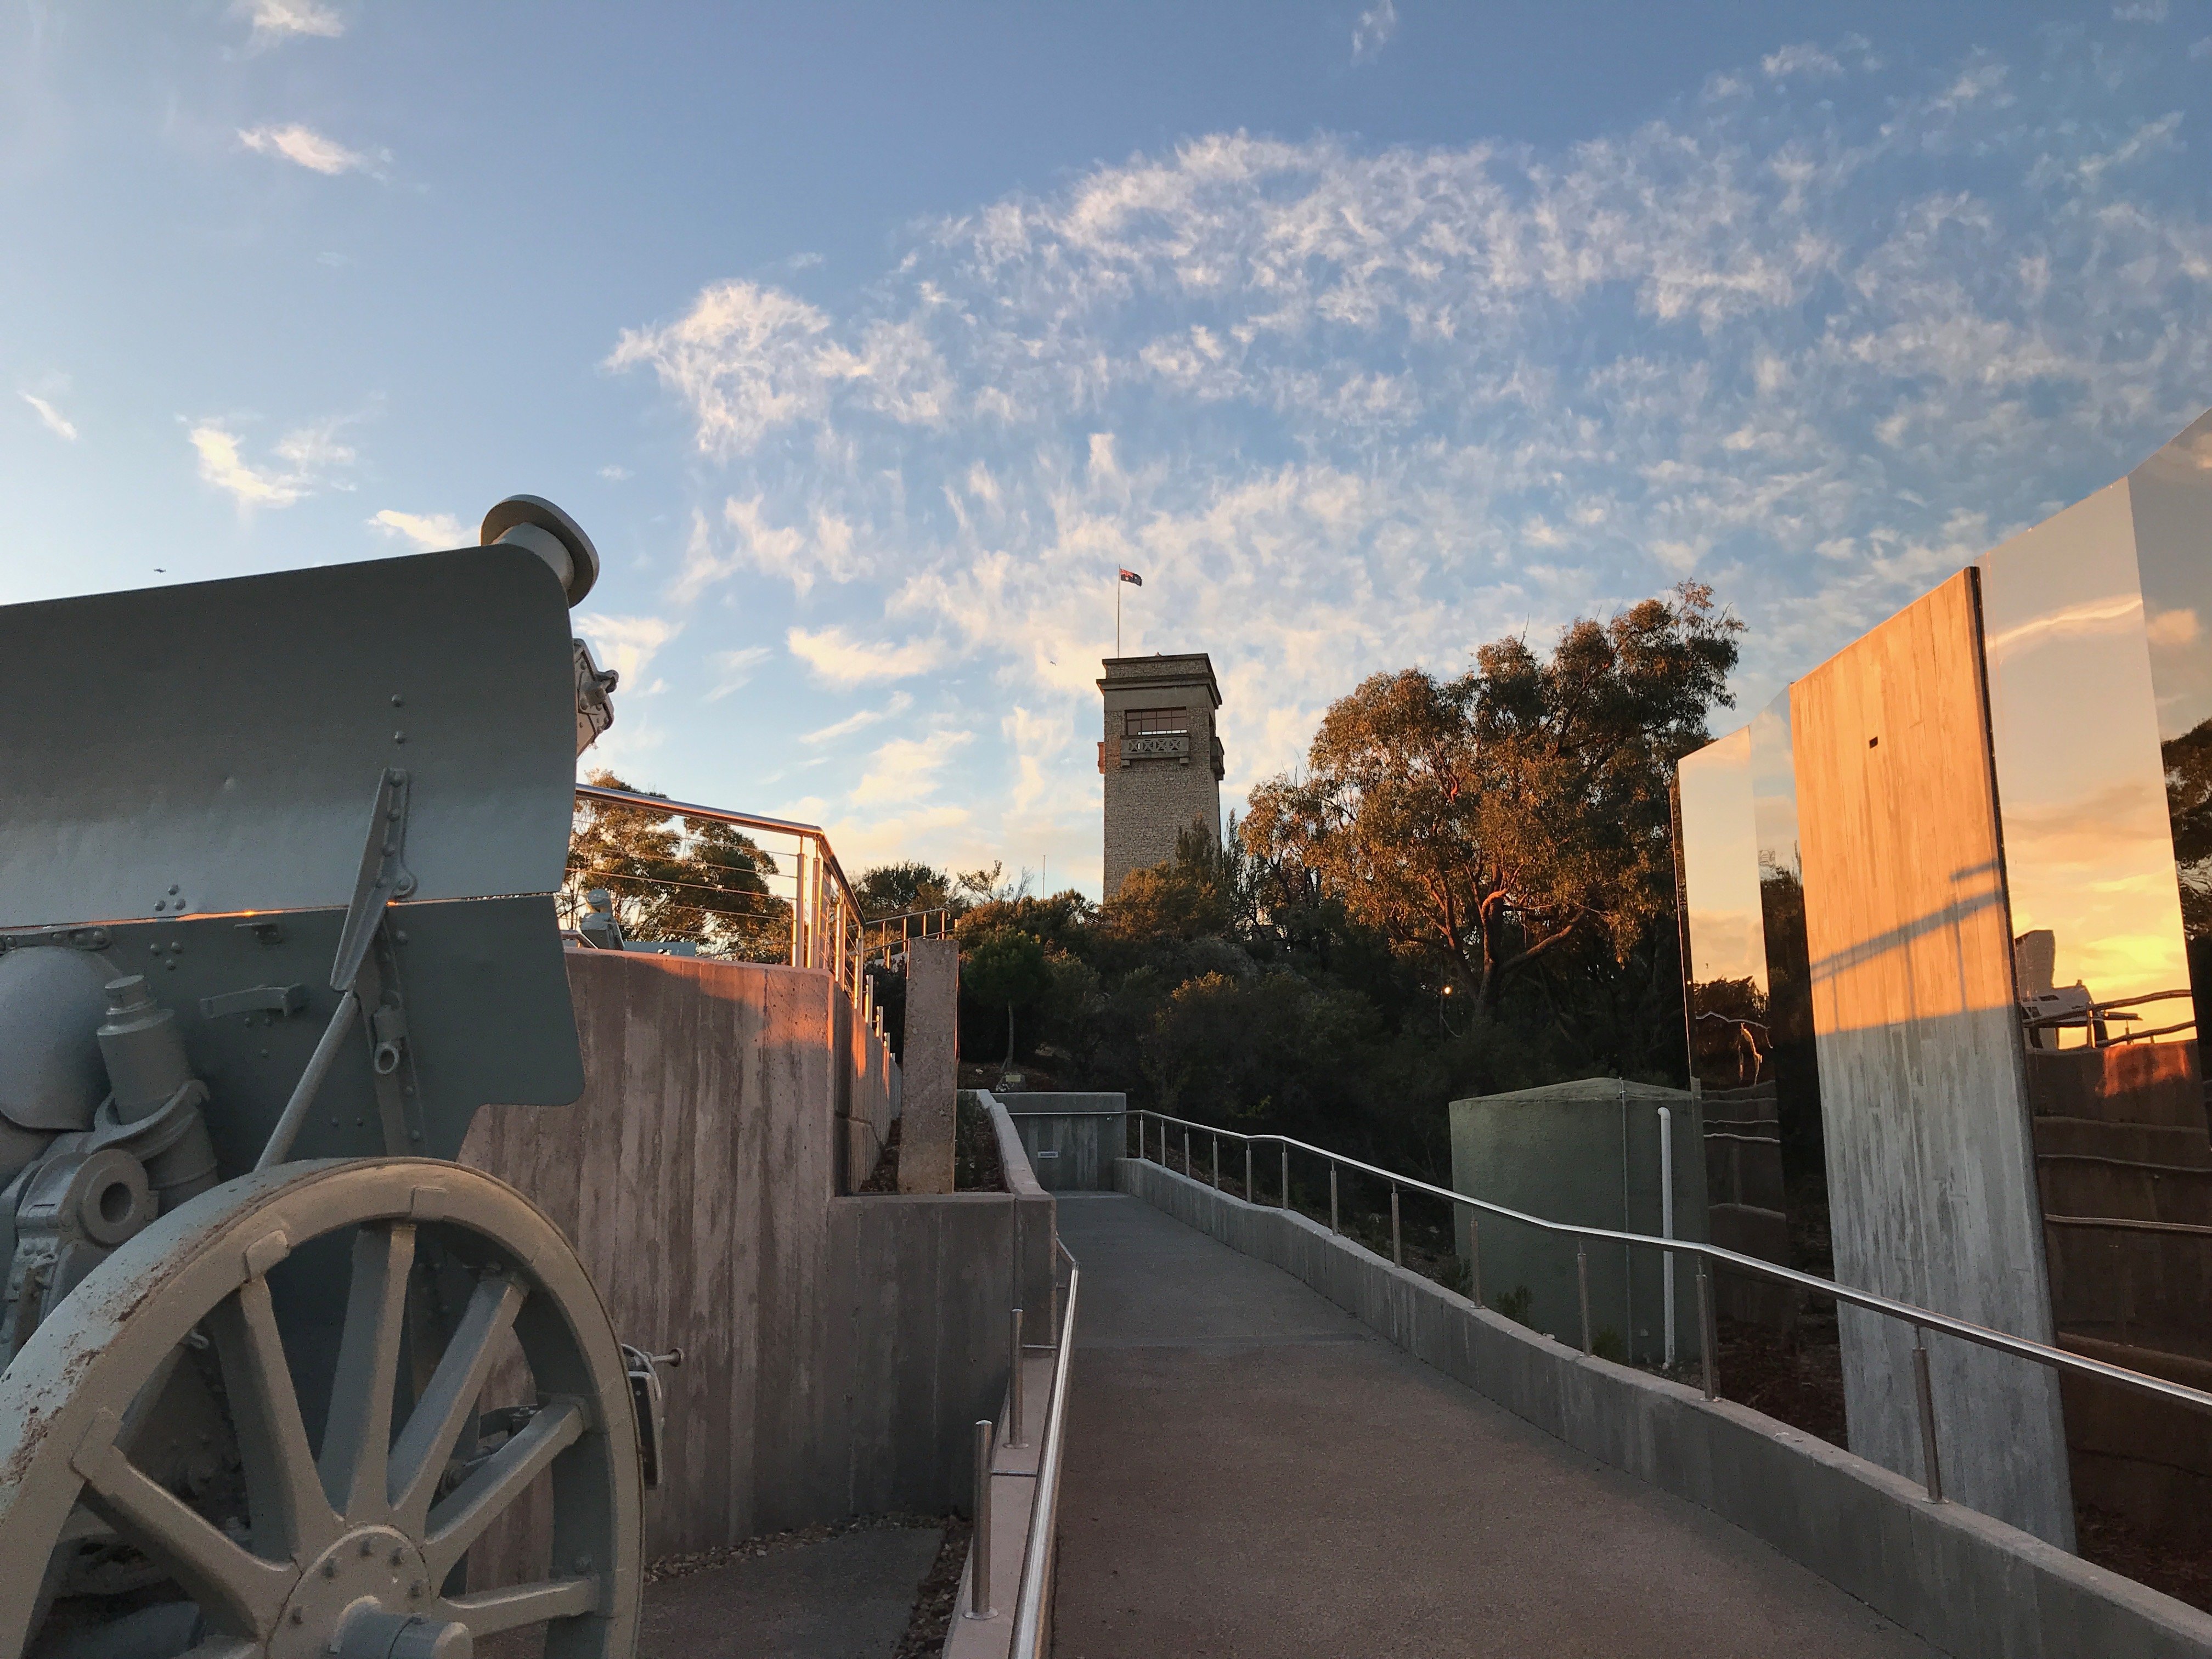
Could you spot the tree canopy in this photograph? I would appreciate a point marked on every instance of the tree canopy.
(677, 878)
(1518, 811)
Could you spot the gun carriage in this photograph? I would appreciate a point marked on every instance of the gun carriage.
(277, 860)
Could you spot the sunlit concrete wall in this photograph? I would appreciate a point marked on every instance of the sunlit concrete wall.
(1931, 1183)
(837, 1347)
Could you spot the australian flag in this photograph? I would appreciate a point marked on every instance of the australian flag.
(1133, 579)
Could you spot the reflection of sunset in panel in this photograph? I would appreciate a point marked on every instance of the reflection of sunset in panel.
(2088, 852)
(1720, 863)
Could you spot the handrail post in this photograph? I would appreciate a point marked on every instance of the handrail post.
(1216, 1161)
(797, 903)
(1667, 1227)
(1014, 1380)
(1582, 1289)
(1333, 1227)
(1248, 1194)
(1286, 1150)
(1705, 1340)
(1474, 1257)
(1926, 1391)
(1186, 1149)
(1397, 1248)
(979, 1542)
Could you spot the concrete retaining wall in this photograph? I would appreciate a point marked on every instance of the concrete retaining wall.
(1072, 1140)
(836, 1348)
(1972, 1586)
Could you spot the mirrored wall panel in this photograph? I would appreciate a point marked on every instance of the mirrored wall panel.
(1726, 955)
(1731, 1042)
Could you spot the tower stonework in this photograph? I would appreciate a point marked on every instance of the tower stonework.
(1161, 758)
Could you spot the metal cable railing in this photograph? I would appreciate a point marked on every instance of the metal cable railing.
(1921, 1320)
(828, 930)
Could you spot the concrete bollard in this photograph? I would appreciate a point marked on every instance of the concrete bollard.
(928, 1100)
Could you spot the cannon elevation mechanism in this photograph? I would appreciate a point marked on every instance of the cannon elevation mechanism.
(277, 860)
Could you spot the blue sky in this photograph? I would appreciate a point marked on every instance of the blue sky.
(868, 341)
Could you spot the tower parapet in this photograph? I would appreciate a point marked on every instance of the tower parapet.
(1161, 755)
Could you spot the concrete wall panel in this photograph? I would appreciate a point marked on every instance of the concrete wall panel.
(836, 1348)
(1931, 1178)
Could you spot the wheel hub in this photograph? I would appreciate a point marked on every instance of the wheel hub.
(363, 1598)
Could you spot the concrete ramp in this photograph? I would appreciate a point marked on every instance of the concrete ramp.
(1252, 1471)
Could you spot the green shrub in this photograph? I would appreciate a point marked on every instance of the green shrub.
(1515, 1303)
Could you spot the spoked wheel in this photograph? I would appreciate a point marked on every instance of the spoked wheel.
(162, 1491)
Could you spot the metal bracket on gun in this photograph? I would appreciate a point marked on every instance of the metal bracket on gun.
(383, 878)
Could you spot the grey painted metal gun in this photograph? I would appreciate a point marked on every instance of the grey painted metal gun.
(277, 860)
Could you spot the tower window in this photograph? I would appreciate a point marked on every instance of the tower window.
(1153, 722)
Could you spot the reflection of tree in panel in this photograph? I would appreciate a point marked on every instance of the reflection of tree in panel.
(2188, 807)
(1728, 1032)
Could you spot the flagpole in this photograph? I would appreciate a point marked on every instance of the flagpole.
(1117, 613)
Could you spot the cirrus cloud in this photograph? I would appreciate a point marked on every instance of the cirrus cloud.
(1351, 406)
(304, 146)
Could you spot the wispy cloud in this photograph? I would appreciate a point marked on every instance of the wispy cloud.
(733, 670)
(50, 418)
(748, 359)
(860, 721)
(275, 21)
(305, 147)
(906, 768)
(628, 645)
(1317, 392)
(307, 459)
(1372, 31)
(431, 531)
(1804, 59)
(835, 656)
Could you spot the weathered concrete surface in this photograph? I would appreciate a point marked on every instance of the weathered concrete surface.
(1072, 1140)
(1585, 1151)
(931, 1062)
(847, 1597)
(1972, 1586)
(1923, 1093)
(1252, 1472)
(835, 1347)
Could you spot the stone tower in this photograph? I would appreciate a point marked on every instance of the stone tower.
(1161, 758)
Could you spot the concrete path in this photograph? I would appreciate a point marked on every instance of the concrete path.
(1251, 1471)
(845, 1597)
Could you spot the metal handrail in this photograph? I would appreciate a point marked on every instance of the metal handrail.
(840, 951)
(1031, 1629)
(1921, 1319)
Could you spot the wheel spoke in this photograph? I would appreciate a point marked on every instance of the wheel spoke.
(149, 1395)
(418, 1457)
(455, 1523)
(291, 1513)
(489, 1612)
(357, 1439)
(236, 1589)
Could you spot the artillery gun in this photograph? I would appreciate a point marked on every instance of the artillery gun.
(277, 860)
